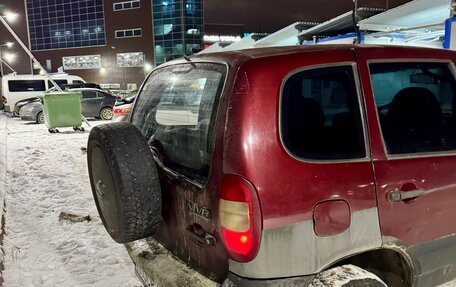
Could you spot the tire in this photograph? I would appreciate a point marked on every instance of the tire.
(347, 276)
(124, 181)
(40, 118)
(106, 113)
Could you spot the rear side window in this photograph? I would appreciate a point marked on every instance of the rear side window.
(26, 86)
(87, 95)
(61, 83)
(101, 95)
(320, 115)
(415, 103)
(175, 110)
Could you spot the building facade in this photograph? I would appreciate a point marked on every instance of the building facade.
(178, 28)
(111, 42)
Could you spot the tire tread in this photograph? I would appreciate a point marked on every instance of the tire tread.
(139, 200)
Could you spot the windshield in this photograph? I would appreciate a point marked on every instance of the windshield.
(175, 111)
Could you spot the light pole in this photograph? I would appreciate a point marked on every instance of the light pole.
(9, 45)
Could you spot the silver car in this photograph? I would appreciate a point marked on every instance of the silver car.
(32, 112)
(122, 108)
(94, 103)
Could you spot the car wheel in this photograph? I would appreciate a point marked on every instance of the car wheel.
(347, 276)
(40, 118)
(106, 113)
(124, 181)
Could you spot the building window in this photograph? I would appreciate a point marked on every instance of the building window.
(178, 28)
(65, 24)
(126, 5)
(128, 33)
(127, 60)
(82, 62)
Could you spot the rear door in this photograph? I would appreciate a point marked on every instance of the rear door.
(107, 100)
(90, 103)
(176, 111)
(410, 98)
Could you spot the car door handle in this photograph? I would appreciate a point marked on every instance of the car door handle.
(398, 195)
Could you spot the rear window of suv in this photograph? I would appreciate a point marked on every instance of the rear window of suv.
(175, 111)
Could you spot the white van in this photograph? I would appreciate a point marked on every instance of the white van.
(15, 88)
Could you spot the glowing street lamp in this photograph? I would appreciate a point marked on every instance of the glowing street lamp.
(8, 45)
(148, 67)
(10, 16)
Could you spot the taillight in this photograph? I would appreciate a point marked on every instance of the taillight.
(239, 218)
(121, 110)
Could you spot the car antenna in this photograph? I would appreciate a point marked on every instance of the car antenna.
(190, 61)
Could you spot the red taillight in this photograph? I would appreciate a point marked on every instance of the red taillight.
(239, 218)
(121, 110)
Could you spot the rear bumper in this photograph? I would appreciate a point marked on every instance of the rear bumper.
(156, 266)
(117, 118)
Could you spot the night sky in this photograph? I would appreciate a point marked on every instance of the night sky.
(272, 15)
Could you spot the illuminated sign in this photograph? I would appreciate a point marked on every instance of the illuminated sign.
(221, 38)
(82, 62)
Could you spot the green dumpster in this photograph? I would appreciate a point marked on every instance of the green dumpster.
(62, 110)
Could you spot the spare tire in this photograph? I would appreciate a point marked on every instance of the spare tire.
(124, 181)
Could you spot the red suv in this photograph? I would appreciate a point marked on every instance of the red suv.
(291, 166)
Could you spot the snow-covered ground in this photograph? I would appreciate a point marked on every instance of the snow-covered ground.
(47, 174)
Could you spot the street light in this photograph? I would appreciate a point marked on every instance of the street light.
(8, 45)
(10, 16)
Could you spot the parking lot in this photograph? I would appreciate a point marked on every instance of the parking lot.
(41, 176)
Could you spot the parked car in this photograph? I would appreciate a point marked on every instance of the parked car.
(94, 103)
(82, 85)
(286, 167)
(20, 104)
(32, 112)
(19, 87)
(122, 94)
(122, 108)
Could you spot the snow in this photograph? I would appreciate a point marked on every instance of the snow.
(45, 175)
(342, 275)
